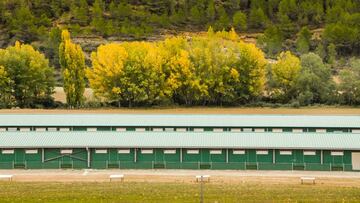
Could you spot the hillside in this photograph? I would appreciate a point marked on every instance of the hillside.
(98, 22)
(175, 52)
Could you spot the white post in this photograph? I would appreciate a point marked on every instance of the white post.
(273, 156)
(321, 157)
(181, 155)
(88, 157)
(135, 155)
(227, 155)
(42, 155)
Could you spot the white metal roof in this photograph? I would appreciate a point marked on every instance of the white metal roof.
(183, 120)
(111, 139)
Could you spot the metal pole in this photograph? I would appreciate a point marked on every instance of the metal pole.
(42, 155)
(181, 155)
(227, 155)
(321, 157)
(88, 161)
(273, 151)
(201, 189)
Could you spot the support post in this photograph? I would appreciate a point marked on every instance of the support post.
(273, 158)
(321, 157)
(227, 155)
(88, 157)
(181, 155)
(135, 155)
(42, 155)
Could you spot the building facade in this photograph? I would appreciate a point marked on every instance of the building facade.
(246, 142)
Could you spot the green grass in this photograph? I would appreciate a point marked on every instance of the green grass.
(173, 192)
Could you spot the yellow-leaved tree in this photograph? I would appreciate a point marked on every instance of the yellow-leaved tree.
(232, 71)
(26, 78)
(6, 98)
(72, 62)
(105, 76)
(130, 73)
(284, 74)
(214, 69)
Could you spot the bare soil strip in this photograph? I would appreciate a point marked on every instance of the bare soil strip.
(193, 110)
(351, 179)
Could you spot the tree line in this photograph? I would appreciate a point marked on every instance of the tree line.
(280, 20)
(217, 68)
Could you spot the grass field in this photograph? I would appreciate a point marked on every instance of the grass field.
(173, 192)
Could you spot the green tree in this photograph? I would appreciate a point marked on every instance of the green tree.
(311, 12)
(29, 74)
(331, 54)
(210, 11)
(22, 25)
(303, 40)
(80, 12)
(320, 51)
(314, 84)
(289, 9)
(98, 21)
(72, 62)
(349, 87)
(286, 26)
(257, 18)
(239, 21)
(53, 43)
(6, 84)
(195, 15)
(223, 22)
(272, 40)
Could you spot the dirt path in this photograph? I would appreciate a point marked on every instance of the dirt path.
(222, 177)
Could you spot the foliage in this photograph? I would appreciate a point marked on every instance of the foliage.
(314, 84)
(26, 77)
(72, 62)
(303, 40)
(130, 73)
(271, 41)
(214, 69)
(257, 18)
(349, 87)
(284, 74)
(331, 53)
(6, 98)
(239, 21)
(30, 21)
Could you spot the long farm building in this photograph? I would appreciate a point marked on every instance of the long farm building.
(240, 142)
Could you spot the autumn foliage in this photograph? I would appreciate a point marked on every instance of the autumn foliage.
(214, 69)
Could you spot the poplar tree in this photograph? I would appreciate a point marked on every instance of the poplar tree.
(72, 62)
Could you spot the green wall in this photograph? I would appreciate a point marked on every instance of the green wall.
(158, 159)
